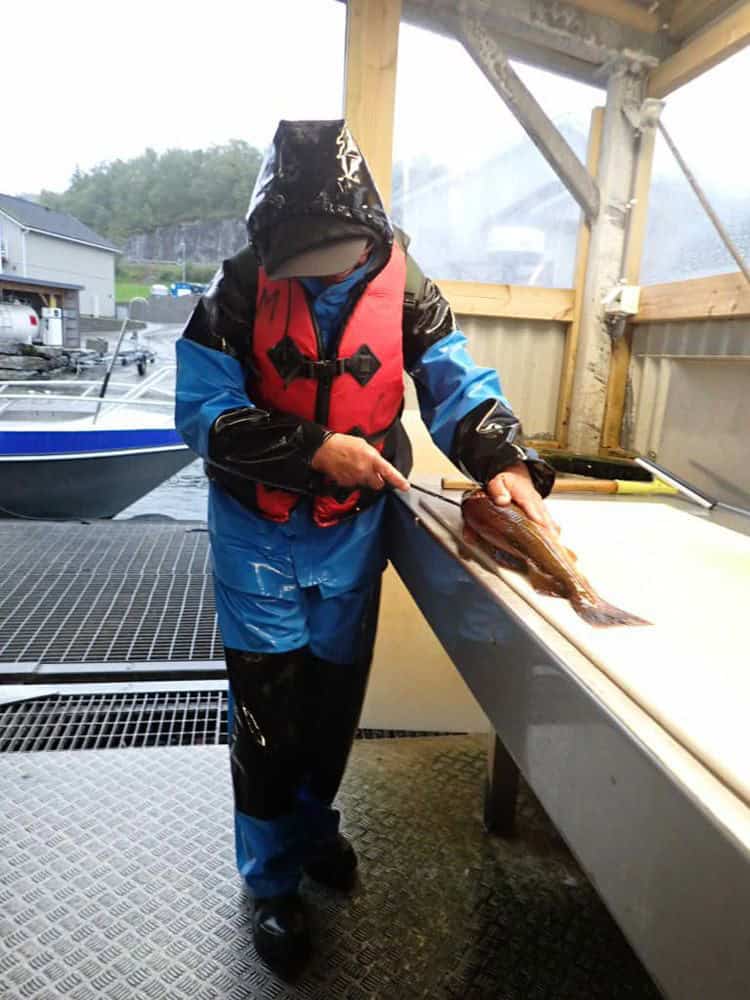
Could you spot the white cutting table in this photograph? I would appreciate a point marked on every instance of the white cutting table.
(636, 740)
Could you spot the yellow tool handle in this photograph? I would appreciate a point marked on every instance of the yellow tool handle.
(625, 486)
(457, 484)
(636, 488)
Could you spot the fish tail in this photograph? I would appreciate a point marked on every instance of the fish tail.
(601, 614)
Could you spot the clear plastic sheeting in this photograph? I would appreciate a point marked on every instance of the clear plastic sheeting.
(702, 119)
(476, 196)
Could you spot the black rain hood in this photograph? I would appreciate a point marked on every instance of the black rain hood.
(314, 188)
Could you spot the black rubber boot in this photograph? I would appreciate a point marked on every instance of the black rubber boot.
(335, 695)
(282, 934)
(269, 729)
(335, 865)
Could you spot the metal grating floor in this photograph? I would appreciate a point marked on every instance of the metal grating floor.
(117, 882)
(110, 721)
(120, 720)
(113, 592)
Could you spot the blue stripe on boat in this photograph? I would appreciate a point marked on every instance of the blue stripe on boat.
(50, 442)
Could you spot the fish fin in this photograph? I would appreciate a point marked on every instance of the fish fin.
(468, 538)
(510, 562)
(499, 556)
(602, 614)
(572, 555)
(469, 535)
(543, 582)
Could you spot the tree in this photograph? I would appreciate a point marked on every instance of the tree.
(121, 197)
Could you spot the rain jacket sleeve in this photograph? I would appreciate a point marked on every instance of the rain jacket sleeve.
(213, 412)
(461, 403)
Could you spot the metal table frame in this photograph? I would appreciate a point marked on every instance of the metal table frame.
(670, 861)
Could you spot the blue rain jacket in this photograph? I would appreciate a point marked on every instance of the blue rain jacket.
(262, 559)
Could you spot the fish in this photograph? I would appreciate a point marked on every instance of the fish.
(517, 542)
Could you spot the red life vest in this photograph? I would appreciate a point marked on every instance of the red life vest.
(359, 391)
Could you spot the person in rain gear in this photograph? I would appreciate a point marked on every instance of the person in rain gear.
(290, 386)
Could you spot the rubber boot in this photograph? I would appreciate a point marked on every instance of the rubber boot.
(268, 762)
(269, 730)
(335, 695)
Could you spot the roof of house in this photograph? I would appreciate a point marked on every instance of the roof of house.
(14, 279)
(36, 217)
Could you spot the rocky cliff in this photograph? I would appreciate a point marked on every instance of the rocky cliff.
(205, 242)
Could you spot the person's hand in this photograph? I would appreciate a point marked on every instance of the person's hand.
(351, 461)
(515, 484)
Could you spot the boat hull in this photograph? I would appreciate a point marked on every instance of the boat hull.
(85, 486)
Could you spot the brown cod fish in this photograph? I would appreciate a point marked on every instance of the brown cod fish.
(518, 543)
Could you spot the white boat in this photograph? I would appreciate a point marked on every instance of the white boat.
(65, 453)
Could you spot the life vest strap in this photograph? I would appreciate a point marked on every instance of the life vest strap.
(291, 363)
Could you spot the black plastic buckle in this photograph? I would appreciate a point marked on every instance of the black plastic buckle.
(324, 371)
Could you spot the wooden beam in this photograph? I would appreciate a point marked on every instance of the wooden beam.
(370, 83)
(623, 12)
(553, 146)
(719, 41)
(625, 94)
(582, 256)
(722, 296)
(474, 298)
(638, 218)
(690, 16)
(619, 364)
(21, 286)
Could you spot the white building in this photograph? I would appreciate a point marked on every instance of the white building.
(41, 246)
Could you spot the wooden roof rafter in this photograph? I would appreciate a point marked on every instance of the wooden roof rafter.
(721, 39)
(688, 17)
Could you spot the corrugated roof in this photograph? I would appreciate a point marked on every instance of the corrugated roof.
(33, 216)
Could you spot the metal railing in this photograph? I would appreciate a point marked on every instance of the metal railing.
(83, 391)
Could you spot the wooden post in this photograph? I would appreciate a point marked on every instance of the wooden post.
(635, 238)
(370, 83)
(604, 268)
(579, 275)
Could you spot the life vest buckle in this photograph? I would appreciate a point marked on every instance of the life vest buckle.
(324, 371)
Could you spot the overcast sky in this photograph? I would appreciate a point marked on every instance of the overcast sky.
(94, 81)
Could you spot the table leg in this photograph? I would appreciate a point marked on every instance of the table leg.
(501, 789)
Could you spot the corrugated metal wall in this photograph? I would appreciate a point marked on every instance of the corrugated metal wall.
(689, 405)
(528, 355)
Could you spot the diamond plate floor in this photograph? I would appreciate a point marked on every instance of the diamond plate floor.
(117, 881)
